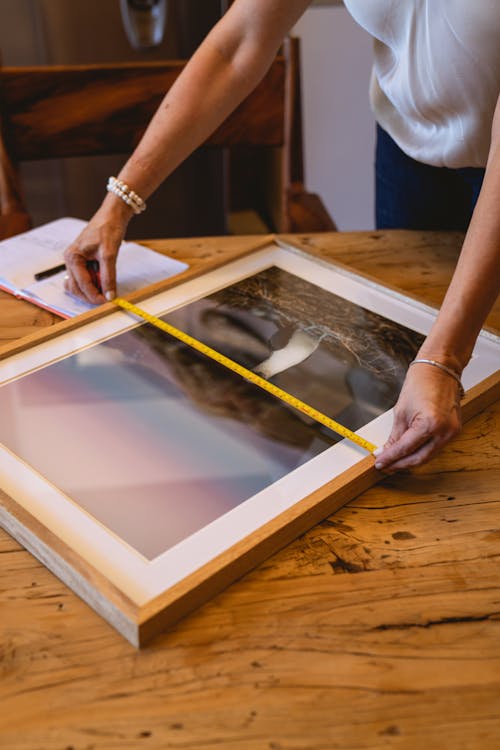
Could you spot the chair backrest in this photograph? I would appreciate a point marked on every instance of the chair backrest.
(84, 110)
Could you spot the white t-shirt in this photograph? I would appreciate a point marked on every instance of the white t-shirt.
(436, 76)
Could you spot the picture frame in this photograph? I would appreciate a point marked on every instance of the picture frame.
(141, 592)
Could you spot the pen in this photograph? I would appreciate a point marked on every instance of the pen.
(92, 267)
(49, 272)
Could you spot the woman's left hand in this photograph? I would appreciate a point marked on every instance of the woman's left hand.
(426, 417)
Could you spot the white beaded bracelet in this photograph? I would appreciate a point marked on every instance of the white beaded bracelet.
(442, 367)
(123, 191)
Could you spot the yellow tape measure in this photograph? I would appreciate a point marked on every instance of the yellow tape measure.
(252, 377)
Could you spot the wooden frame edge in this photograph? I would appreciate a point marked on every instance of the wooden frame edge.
(79, 575)
(216, 575)
(480, 396)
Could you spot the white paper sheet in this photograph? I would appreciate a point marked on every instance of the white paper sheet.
(25, 254)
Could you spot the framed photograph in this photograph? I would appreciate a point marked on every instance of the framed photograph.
(148, 477)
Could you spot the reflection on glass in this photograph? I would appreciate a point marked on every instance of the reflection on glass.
(156, 441)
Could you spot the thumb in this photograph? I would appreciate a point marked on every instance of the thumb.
(400, 424)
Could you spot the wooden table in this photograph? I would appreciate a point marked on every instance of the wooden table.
(379, 628)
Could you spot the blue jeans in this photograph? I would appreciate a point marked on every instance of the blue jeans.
(413, 195)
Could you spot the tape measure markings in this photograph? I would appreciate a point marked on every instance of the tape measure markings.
(245, 373)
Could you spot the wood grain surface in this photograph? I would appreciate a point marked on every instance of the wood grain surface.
(379, 628)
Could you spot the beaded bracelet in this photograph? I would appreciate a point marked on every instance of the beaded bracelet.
(442, 367)
(123, 191)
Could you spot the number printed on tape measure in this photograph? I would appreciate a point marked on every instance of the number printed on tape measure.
(249, 375)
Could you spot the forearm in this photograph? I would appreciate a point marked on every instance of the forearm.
(203, 96)
(476, 281)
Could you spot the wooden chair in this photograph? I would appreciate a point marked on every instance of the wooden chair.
(53, 112)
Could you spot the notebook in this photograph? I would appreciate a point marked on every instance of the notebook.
(31, 252)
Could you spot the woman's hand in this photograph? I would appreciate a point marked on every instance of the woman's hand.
(426, 417)
(100, 240)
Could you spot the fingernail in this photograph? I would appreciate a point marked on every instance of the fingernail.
(110, 296)
(378, 451)
(379, 465)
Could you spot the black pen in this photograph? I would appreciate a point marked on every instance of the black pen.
(49, 272)
(92, 267)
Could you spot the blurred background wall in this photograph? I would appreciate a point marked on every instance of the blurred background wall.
(338, 125)
(339, 128)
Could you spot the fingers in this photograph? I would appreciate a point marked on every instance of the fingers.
(107, 266)
(416, 444)
(410, 450)
(418, 457)
(79, 281)
(71, 286)
(99, 242)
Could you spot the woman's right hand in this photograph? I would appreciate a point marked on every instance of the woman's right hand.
(100, 240)
(426, 417)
